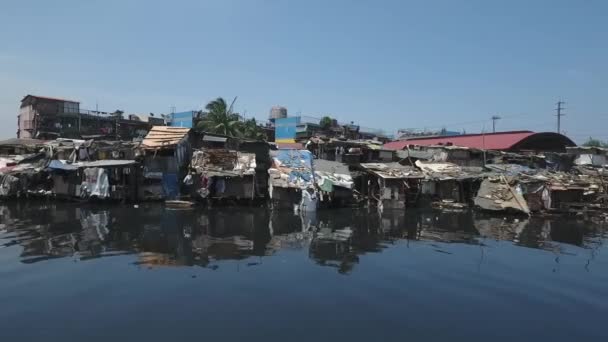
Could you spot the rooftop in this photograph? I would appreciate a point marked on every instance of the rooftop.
(164, 136)
(485, 141)
(48, 98)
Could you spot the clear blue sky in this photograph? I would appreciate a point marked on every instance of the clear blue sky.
(384, 64)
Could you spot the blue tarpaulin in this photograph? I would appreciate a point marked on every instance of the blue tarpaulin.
(59, 165)
(297, 164)
(295, 158)
(170, 185)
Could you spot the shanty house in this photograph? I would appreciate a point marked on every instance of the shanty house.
(100, 179)
(290, 174)
(388, 185)
(16, 146)
(449, 183)
(589, 156)
(224, 174)
(167, 153)
(334, 182)
(349, 151)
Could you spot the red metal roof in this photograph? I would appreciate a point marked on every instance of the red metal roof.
(488, 141)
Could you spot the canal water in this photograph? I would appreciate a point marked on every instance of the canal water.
(94, 273)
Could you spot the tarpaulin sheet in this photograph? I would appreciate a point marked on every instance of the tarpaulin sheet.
(170, 185)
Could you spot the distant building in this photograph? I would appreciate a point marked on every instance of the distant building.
(412, 133)
(183, 119)
(285, 129)
(301, 128)
(42, 117)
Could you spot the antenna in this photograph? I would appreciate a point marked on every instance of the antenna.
(494, 119)
(559, 115)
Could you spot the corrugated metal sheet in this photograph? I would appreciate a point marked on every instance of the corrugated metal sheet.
(489, 141)
(21, 142)
(213, 138)
(224, 163)
(61, 165)
(164, 136)
(392, 170)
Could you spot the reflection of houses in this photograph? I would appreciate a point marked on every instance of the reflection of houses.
(333, 248)
(167, 153)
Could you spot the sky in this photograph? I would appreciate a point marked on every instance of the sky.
(382, 64)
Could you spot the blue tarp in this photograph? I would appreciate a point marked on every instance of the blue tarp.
(295, 158)
(300, 163)
(170, 185)
(58, 165)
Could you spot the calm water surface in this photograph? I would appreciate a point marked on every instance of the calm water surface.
(89, 273)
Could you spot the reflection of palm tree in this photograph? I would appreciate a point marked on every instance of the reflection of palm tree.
(220, 118)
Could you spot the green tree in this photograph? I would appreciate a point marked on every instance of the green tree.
(595, 143)
(326, 122)
(251, 130)
(220, 119)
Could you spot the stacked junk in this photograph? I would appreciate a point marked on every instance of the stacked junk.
(175, 164)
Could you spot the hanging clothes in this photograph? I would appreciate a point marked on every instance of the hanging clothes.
(95, 184)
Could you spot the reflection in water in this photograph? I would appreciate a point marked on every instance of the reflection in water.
(333, 238)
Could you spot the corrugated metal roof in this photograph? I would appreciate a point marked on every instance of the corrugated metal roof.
(21, 142)
(61, 165)
(330, 166)
(107, 163)
(215, 162)
(213, 138)
(164, 136)
(392, 170)
(489, 141)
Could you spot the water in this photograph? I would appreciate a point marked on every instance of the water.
(89, 273)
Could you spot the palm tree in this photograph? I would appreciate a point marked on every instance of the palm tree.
(251, 130)
(220, 118)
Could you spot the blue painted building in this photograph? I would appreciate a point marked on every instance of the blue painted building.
(183, 119)
(285, 129)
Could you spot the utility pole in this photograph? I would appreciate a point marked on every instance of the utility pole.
(494, 119)
(559, 115)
